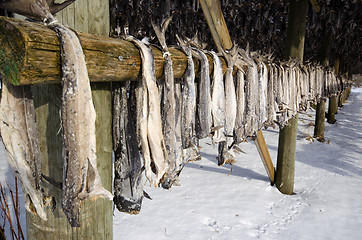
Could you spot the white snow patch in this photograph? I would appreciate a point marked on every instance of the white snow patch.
(216, 203)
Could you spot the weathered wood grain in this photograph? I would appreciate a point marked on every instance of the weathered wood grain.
(30, 54)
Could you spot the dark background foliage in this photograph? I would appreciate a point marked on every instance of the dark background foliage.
(261, 24)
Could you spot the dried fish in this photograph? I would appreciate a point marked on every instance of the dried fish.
(218, 101)
(230, 107)
(151, 128)
(230, 95)
(178, 113)
(188, 132)
(251, 95)
(168, 103)
(19, 134)
(263, 81)
(81, 179)
(204, 117)
(240, 103)
(188, 99)
(270, 96)
(128, 186)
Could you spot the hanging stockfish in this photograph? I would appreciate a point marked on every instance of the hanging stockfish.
(150, 125)
(319, 82)
(330, 82)
(178, 124)
(298, 81)
(168, 106)
(128, 185)
(304, 89)
(312, 82)
(19, 134)
(271, 117)
(326, 82)
(230, 107)
(256, 121)
(251, 94)
(284, 101)
(263, 84)
(189, 140)
(218, 107)
(204, 117)
(188, 98)
(292, 90)
(218, 101)
(81, 179)
(278, 91)
(141, 96)
(240, 102)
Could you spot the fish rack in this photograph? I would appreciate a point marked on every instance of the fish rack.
(30, 56)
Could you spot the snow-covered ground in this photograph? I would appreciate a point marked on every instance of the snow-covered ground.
(216, 203)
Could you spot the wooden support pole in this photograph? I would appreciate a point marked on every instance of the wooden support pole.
(332, 109)
(265, 156)
(30, 54)
(95, 215)
(284, 178)
(215, 20)
(221, 36)
(320, 120)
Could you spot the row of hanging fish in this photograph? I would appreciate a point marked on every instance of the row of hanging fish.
(18, 128)
(261, 23)
(174, 114)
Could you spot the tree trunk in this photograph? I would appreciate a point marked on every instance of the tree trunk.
(95, 215)
(288, 135)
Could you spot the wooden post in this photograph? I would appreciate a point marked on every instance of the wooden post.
(284, 178)
(320, 116)
(334, 101)
(215, 20)
(96, 215)
(332, 109)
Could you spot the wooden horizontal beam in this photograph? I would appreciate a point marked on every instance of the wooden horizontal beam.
(30, 54)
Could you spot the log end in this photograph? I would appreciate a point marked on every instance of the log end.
(12, 51)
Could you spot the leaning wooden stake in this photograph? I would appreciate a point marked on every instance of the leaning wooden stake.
(288, 135)
(220, 34)
(265, 156)
(96, 215)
